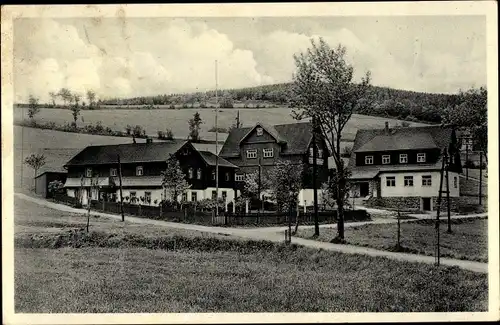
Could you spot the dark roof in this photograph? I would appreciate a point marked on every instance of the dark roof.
(59, 172)
(297, 137)
(210, 159)
(399, 141)
(129, 153)
(425, 137)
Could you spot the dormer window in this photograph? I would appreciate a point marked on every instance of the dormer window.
(260, 131)
(369, 160)
(403, 158)
(112, 171)
(386, 159)
(420, 157)
(139, 171)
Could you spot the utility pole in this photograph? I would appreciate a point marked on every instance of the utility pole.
(438, 210)
(238, 119)
(121, 188)
(480, 177)
(315, 172)
(260, 185)
(448, 192)
(216, 146)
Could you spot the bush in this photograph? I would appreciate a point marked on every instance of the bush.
(138, 131)
(203, 105)
(161, 135)
(169, 135)
(128, 129)
(172, 106)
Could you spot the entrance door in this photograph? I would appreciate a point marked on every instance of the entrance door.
(426, 203)
(364, 189)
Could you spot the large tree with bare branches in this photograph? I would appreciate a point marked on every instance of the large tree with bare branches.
(324, 90)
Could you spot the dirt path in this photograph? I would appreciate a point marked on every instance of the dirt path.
(259, 234)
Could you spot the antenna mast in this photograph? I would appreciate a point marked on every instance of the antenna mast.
(216, 146)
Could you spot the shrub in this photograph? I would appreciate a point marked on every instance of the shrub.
(128, 129)
(138, 131)
(169, 135)
(203, 105)
(161, 135)
(172, 106)
(185, 105)
(218, 129)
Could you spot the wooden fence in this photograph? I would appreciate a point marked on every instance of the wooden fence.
(190, 215)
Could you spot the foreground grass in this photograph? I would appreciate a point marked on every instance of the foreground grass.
(468, 240)
(144, 280)
(141, 268)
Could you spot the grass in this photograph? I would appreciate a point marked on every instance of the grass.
(176, 120)
(114, 271)
(467, 241)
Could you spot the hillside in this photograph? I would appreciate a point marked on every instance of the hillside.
(381, 101)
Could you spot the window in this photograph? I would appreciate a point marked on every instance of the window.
(112, 172)
(426, 180)
(133, 197)
(194, 196)
(369, 160)
(386, 159)
(147, 197)
(408, 180)
(190, 173)
(320, 153)
(213, 175)
(403, 158)
(268, 152)
(184, 197)
(420, 157)
(228, 177)
(260, 131)
(455, 182)
(214, 195)
(198, 173)
(311, 151)
(88, 172)
(390, 181)
(251, 154)
(138, 171)
(224, 195)
(239, 177)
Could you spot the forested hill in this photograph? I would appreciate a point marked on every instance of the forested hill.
(380, 101)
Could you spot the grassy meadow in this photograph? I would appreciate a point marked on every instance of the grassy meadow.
(468, 240)
(60, 269)
(177, 120)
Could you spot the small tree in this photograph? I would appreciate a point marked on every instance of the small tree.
(285, 180)
(251, 186)
(174, 179)
(91, 98)
(33, 107)
(323, 89)
(194, 127)
(36, 162)
(65, 95)
(53, 97)
(75, 109)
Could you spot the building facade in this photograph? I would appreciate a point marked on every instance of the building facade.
(142, 165)
(401, 167)
(262, 146)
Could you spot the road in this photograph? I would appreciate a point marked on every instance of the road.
(274, 235)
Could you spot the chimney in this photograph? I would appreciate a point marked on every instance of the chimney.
(386, 127)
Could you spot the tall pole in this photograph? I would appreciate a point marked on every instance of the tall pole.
(448, 192)
(467, 158)
(22, 148)
(216, 146)
(259, 185)
(315, 188)
(480, 177)
(121, 187)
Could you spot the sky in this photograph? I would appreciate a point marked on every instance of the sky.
(127, 57)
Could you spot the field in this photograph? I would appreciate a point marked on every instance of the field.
(59, 148)
(245, 277)
(468, 241)
(177, 120)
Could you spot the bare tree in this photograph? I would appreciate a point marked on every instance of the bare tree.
(323, 89)
(53, 97)
(91, 97)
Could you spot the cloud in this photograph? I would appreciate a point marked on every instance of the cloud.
(147, 57)
(178, 56)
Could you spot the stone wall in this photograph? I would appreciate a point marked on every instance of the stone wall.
(402, 202)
